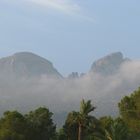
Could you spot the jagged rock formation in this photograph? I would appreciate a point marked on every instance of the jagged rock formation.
(109, 64)
(73, 75)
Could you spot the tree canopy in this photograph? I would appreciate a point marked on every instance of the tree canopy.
(130, 110)
(79, 125)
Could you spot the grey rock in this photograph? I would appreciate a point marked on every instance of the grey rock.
(109, 64)
(26, 64)
(73, 75)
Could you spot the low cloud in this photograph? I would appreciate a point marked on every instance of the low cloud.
(64, 95)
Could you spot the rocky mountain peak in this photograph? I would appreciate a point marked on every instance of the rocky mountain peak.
(108, 64)
(27, 64)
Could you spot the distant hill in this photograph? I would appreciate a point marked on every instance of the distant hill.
(26, 64)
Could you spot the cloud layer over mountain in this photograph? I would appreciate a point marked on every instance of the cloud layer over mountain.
(64, 94)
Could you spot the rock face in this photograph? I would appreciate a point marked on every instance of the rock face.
(73, 75)
(26, 64)
(108, 64)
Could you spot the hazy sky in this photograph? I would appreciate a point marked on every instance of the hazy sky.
(70, 33)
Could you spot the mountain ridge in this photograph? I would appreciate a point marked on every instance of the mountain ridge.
(26, 61)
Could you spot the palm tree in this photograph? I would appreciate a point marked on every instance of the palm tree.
(82, 118)
(118, 131)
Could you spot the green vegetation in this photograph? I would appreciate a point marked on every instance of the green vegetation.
(37, 125)
(130, 112)
(79, 125)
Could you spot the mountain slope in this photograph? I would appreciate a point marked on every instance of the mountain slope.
(26, 64)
